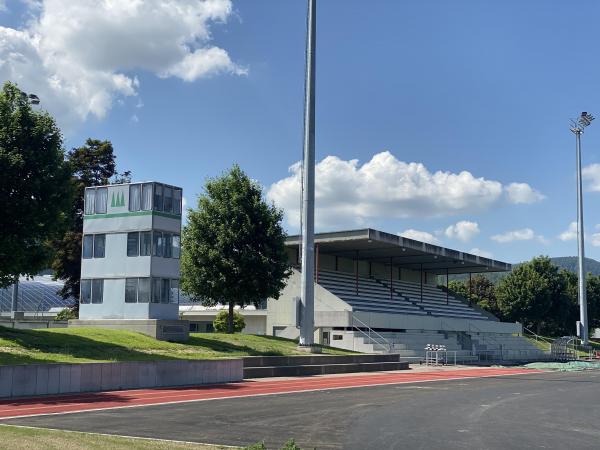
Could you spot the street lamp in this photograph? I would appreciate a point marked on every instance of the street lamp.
(577, 127)
(14, 307)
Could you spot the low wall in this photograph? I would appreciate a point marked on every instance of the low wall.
(43, 379)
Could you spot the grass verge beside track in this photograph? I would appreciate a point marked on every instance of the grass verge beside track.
(81, 345)
(26, 438)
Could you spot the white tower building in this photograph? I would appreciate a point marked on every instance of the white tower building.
(130, 259)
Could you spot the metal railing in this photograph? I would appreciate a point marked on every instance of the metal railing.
(537, 337)
(440, 357)
(370, 333)
(483, 338)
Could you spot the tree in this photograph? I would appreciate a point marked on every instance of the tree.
(233, 247)
(221, 322)
(92, 164)
(593, 301)
(34, 186)
(479, 290)
(536, 294)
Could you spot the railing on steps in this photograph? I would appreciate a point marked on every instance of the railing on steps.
(370, 333)
(487, 353)
(537, 337)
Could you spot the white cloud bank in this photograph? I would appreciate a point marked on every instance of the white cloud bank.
(570, 233)
(463, 230)
(422, 236)
(79, 56)
(591, 174)
(522, 193)
(523, 234)
(350, 194)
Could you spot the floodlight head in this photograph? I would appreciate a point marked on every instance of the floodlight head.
(585, 119)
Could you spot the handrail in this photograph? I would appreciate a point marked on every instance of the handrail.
(371, 330)
(487, 337)
(537, 336)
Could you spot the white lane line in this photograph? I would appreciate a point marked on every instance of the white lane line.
(335, 388)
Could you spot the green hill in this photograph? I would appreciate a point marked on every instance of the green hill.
(570, 263)
(564, 262)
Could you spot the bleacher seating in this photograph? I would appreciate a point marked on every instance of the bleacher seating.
(374, 295)
(39, 294)
(434, 300)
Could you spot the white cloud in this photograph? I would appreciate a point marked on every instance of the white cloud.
(596, 240)
(591, 174)
(523, 234)
(479, 252)
(463, 230)
(350, 194)
(570, 233)
(522, 193)
(80, 56)
(417, 235)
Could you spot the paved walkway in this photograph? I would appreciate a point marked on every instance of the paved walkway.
(37, 406)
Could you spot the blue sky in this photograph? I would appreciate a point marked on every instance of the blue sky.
(465, 86)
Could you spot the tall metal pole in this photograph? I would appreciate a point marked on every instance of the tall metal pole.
(308, 195)
(580, 247)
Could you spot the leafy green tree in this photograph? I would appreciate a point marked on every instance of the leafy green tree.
(91, 164)
(34, 186)
(536, 294)
(593, 301)
(221, 322)
(483, 292)
(233, 247)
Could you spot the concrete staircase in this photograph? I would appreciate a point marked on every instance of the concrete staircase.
(410, 345)
(289, 366)
(505, 347)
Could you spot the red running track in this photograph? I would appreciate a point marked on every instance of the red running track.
(71, 403)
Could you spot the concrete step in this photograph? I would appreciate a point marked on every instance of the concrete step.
(300, 360)
(322, 369)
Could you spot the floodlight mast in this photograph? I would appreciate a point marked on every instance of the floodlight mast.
(577, 127)
(307, 295)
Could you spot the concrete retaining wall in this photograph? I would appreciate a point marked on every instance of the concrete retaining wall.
(43, 379)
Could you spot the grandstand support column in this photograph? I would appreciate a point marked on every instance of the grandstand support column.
(470, 290)
(421, 272)
(308, 194)
(447, 293)
(391, 278)
(356, 270)
(317, 263)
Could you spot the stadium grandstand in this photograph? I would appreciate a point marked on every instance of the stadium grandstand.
(375, 292)
(379, 292)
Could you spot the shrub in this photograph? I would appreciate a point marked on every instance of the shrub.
(66, 314)
(220, 322)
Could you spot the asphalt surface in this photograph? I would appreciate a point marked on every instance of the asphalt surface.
(541, 410)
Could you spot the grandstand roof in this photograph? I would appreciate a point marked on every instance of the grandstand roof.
(39, 293)
(377, 246)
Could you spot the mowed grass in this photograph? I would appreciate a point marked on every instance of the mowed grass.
(21, 438)
(81, 345)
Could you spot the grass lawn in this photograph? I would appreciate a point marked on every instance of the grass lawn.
(21, 438)
(80, 345)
